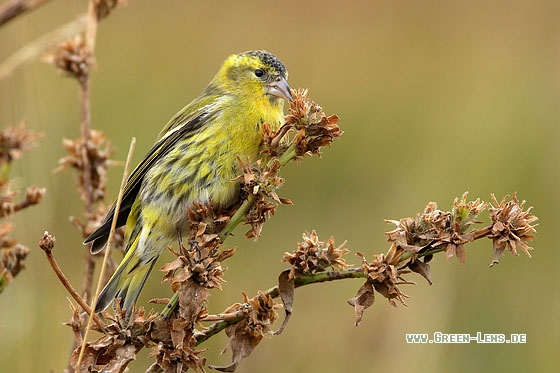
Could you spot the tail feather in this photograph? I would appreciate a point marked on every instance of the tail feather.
(129, 294)
(126, 283)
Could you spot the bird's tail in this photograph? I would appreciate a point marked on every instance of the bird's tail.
(127, 281)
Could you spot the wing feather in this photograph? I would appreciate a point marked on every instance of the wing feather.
(176, 131)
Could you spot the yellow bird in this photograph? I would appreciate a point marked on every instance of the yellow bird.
(193, 159)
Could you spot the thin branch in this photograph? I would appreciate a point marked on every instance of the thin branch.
(23, 205)
(223, 316)
(14, 8)
(85, 106)
(288, 155)
(85, 127)
(34, 49)
(88, 187)
(477, 234)
(238, 217)
(109, 242)
(299, 281)
(91, 30)
(274, 293)
(47, 244)
(33, 196)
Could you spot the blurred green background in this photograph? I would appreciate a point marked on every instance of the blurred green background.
(435, 98)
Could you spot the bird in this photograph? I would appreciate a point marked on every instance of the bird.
(194, 160)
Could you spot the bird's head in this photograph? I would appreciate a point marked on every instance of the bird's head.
(256, 74)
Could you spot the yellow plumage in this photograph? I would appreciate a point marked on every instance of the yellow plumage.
(194, 159)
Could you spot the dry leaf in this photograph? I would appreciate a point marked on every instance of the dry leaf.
(363, 299)
(286, 289)
(421, 268)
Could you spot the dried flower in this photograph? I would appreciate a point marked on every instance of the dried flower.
(465, 213)
(6, 199)
(104, 7)
(171, 359)
(33, 196)
(118, 347)
(437, 229)
(201, 265)
(98, 153)
(512, 226)
(261, 180)
(248, 333)
(14, 141)
(314, 128)
(12, 256)
(73, 57)
(314, 255)
(206, 218)
(385, 274)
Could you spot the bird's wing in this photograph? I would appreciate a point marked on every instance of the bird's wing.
(176, 131)
(209, 101)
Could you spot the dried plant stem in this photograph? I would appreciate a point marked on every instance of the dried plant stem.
(170, 306)
(274, 293)
(316, 278)
(91, 30)
(23, 205)
(85, 106)
(14, 8)
(216, 328)
(476, 234)
(89, 269)
(480, 233)
(108, 247)
(288, 155)
(35, 48)
(82, 76)
(68, 286)
(237, 217)
(88, 186)
(222, 316)
(85, 127)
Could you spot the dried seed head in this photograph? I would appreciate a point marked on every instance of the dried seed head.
(314, 255)
(98, 151)
(206, 219)
(263, 313)
(6, 199)
(47, 242)
(34, 195)
(314, 128)
(261, 180)
(436, 228)
(119, 345)
(201, 265)
(512, 226)
(465, 213)
(104, 7)
(385, 273)
(306, 126)
(245, 335)
(12, 255)
(16, 140)
(73, 57)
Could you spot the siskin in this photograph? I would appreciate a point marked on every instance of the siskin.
(193, 159)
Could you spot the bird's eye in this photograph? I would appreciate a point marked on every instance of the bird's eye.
(259, 73)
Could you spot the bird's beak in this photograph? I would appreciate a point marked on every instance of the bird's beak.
(280, 88)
